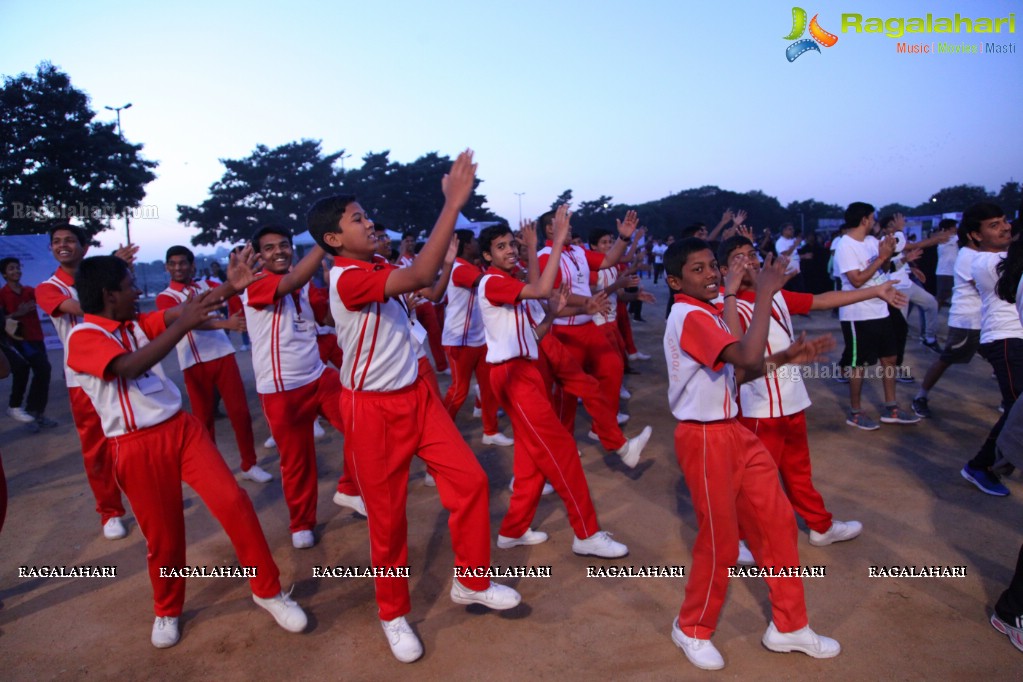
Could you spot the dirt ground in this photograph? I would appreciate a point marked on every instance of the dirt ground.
(902, 482)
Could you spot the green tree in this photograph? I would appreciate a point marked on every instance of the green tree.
(891, 209)
(56, 162)
(268, 186)
(563, 198)
(1010, 198)
(953, 199)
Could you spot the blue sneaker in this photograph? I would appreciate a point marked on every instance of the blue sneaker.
(985, 481)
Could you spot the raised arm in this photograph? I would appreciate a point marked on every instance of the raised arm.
(436, 292)
(626, 228)
(543, 287)
(748, 353)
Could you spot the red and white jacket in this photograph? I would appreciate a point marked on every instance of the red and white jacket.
(575, 266)
(199, 345)
(463, 324)
(49, 296)
(506, 320)
(123, 405)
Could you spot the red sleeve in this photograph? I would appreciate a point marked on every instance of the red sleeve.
(594, 278)
(464, 276)
(49, 298)
(263, 291)
(234, 305)
(594, 259)
(797, 303)
(319, 301)
(362, 287)
(503, 290)
(153, 324)
(90, 351)
(704, 340)
(163, 301)
(543, 264)
(9, 300)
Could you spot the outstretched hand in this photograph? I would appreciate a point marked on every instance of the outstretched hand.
(197, 309)
(241, 267)
(804, 350)
(528, 230)
(597, 303)
(892, 296)
(627, 227)
(127, 253)
(458, 183)
(559, 299)
(771, 277)
(562, 224)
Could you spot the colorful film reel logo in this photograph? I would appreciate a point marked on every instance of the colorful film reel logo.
(801, 47)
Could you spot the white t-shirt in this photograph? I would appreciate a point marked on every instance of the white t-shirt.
(463, 325)
(783, 244)
(835, 274)
(947, 253)
(853, 255)
(658, 251)
(506, 319)
(999, 319)
(964, 312)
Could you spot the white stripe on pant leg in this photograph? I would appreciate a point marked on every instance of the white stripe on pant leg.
(710, 519)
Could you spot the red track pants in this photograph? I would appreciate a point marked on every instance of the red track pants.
(464, 361)
(99, 468)
(222, 374)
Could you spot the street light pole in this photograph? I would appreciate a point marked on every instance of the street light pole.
(519, 195)
(117, 110)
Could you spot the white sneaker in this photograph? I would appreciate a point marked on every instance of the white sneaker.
(601, 545)
(285, 611)
(497, 597)
(270, 443)
(303, 539)
(353, 502)
(446, 371)
(548, 489)
(318, 431)
(530, 537)
(633, 447)
(19, 414)
(245, 346)
(840, 531)
(257, 474)
(114, 529)
(622, 419)
(638, 355)
(745, 556)
(700, 652)
(477, 413)
(624, 394)
(165, 632)
(497, 439)
(592, 435)
(804, 640)
(429, 481)
(405, 646)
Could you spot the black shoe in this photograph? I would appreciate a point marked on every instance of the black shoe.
(933, 345)
(921, 408)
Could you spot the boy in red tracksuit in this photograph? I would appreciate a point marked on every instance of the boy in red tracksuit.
(543, 448)
(115, 355)
(391, 414)
(58, 298)
(731, 476)
(294, 385)
(206, 359)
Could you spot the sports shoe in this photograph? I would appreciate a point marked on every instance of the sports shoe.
(985, 481)
(921, 408)
(497, 597)
(633, 447)
(592, 435)
(840, 531)
(353, 502)
(285, 611)
(257, 474)
(270, 443)
(622, 419)
(905, 379)
(165, 632)
(446, 371)
(700, 652)
(405, 646)
(303, 539)
(45, 422)
(428, 480)
(600, 545)
(803, 640)
(477, 413)
(933, 345)
(638, 355)
(624, 394)
(548, 489)
(861, 421)
(19, 414)
(745, 556)
(897, 415)
(245, 346)
(497, 439)
(842, 379)
(1014, 633)
(530, 537)
(114, 529)
(318, 431)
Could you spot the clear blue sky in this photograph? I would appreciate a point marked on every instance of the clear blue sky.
(634, 100)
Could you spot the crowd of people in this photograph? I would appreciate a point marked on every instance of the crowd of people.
(355, 332)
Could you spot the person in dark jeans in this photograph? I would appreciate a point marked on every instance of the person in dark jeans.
(25, 349)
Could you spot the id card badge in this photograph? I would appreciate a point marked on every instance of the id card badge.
(300, 326)
(149, 383)
(418, 331)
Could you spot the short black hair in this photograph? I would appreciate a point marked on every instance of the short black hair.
(856, 212)
(270, 229)
(4, 262)
(464, 239)
(596, 234)
(691, 230)
(179, 250)
(490, 234)
(324, 217)
(96, 275)
(978, 213)
(729, 245)
(81, 235)
(678, 253)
